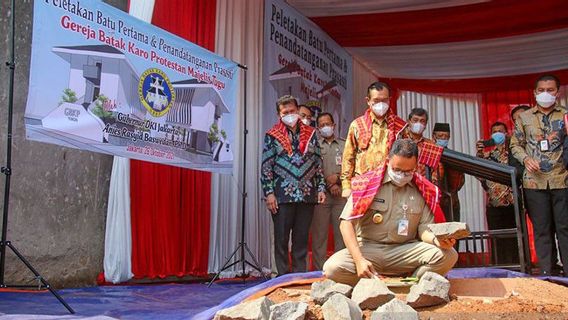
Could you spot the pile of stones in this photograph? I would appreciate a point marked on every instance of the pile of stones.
(340, 301)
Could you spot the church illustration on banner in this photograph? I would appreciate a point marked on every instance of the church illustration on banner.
(103, 84)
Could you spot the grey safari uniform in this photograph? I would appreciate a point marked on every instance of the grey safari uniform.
(329, 211)
(381, 244)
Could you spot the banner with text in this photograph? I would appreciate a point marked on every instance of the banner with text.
(303, 61)
(104, 81)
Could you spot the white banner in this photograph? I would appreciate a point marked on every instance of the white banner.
(301, 60)
(104, 81)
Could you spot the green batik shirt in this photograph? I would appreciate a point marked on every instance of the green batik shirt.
(531, 128)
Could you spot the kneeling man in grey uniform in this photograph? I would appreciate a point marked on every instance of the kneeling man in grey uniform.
(384, 223)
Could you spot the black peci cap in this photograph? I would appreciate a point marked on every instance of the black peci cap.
(443, 127)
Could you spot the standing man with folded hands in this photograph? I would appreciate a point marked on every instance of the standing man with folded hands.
(537, 143)
(370, 136)
(292, 181)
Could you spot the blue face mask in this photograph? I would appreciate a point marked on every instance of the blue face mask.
(442, 143)
(498, 137)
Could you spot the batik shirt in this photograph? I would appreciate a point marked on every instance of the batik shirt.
(531, 128)
(292, 177)
(357, 161)
(499, 195)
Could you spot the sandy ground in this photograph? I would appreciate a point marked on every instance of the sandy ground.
(511, 298)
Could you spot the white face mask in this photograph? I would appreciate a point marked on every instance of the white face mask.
(380, 108)
(399, 178)
(417, 128)
(306, 122)
(326, 131)
(290, 119)
(545, 100)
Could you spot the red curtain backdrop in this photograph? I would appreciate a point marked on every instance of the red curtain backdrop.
(170, 206)
(497, 106)
(474, 85)
(493, 19)
(499, 94)
(193, 20)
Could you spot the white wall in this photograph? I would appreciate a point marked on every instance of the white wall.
(76, 79)
(362, 78)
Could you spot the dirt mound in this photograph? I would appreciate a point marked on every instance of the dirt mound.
(511, 298)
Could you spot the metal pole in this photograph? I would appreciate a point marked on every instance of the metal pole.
(518, 223)
(244, 194)
(242, 244)
(7, 169)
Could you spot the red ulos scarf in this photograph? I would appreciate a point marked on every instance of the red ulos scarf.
(429, 154)
(364, 188)
(364, 125)
(280, 133)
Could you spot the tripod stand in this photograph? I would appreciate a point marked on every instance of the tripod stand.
(7, 171)
(242, 247)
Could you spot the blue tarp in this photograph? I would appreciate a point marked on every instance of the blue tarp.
(174, 301)
(169, 301)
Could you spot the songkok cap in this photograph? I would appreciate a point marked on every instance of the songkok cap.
(443, 127)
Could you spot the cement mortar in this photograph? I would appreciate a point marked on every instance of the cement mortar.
(58, 195)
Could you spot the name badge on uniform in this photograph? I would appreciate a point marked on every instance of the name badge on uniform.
(337, 160)
(403, 227)
(543, 145)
